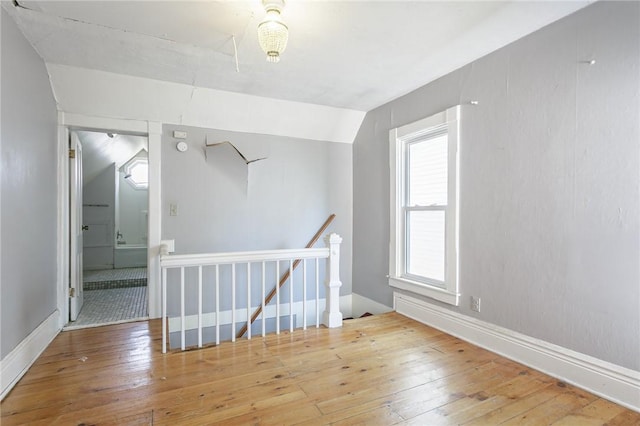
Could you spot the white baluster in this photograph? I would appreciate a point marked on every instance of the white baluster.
(217, 304)
(290, 295)
(182, 316)
(317, 292)
(200, 306)
(248, 300)
(233, 302)
(304, 294)
(164, 310)
(264, 318)
(278, 297)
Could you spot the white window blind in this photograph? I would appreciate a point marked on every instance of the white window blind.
(425, 204)
(426, 245)
(427, 159)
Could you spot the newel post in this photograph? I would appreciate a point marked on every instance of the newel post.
(332, 316)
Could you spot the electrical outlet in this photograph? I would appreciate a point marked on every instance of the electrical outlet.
(475, 304)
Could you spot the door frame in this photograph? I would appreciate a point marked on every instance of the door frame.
(153, 131)
(76, 224)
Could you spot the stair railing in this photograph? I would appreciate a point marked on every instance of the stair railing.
(202, 272)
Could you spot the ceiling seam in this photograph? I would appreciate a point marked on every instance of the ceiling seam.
(66, 18)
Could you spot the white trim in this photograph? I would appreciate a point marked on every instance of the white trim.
(615, 383)
(80, 327)
(62, 255)
(129, 168)
(204, 259)
(153, 130)
(106, 94)
(396, 239)
(17, 362)
(361, 304)
(437, 293)
(91, 122)
(154, 135)
(398, 138)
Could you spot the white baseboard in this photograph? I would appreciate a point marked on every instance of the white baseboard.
(361, 304)
(209, 319)
(615, 383)
(18, 361)
(346, 303)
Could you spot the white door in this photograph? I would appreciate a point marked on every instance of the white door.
(76, 296)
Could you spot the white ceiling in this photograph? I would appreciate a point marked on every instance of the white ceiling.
(99, 151)
(348, 54)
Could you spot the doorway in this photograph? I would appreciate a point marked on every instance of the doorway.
(115, 222)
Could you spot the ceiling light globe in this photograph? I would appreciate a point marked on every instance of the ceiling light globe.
(273, 35)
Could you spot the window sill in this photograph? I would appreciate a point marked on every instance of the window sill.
(432, 292)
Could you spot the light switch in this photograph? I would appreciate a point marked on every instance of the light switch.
(173, 210)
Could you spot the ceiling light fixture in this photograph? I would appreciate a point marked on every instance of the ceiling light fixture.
(272, 32)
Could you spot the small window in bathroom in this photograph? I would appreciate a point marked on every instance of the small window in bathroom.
(137, 173)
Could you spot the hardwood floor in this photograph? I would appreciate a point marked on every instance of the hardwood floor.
(378, 370)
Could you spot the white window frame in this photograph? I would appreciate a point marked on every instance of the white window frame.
(398, 140)
(128, 170)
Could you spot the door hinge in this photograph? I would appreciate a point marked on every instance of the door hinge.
(72, 153)
(72, 292)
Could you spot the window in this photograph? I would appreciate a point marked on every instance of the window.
(424, 198)
(137, 172)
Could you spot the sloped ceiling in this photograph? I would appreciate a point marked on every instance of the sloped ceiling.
(348, 54)
(99, 151)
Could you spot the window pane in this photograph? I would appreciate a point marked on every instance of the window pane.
(425, 244)
(428, 172)
(140, 173)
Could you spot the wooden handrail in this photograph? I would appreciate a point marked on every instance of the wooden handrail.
(286, 275)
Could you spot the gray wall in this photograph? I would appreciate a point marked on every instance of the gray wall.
(28, 217)
(275, 203)
(549, 196)
(97, 250)
(132, 205)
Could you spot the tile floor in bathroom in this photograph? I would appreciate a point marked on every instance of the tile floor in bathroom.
(113, 295)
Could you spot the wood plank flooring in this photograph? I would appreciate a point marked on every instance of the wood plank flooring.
(378, 370)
